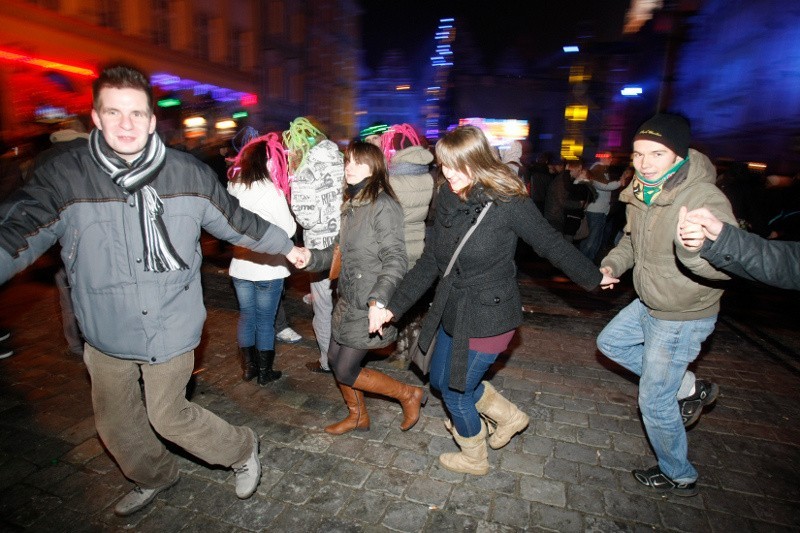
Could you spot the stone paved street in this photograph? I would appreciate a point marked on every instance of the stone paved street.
(570, 471)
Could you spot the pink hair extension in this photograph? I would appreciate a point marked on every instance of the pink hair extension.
(277, 165)
(405, 131)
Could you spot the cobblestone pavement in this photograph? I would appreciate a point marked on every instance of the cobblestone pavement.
(570, 471)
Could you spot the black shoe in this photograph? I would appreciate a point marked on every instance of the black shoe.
(5, 352)
(316, 367)
(655, 479)
(705, 393)
(4, 334)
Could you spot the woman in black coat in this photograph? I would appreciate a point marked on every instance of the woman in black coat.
(477, 307)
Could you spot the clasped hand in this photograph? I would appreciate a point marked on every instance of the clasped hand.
(299, 256)
(377, 318)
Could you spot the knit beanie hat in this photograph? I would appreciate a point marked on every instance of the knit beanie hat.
(670, 130)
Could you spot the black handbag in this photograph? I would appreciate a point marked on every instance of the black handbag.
(422, 357)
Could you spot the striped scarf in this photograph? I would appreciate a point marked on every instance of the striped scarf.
(159, 254)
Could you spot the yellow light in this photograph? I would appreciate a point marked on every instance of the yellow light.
(225, 124)
(752, 165)
(571, 149)
(194, 122)
(403, 87)
(578, 75)
(576, 113)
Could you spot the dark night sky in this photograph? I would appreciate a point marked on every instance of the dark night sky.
(536, 28)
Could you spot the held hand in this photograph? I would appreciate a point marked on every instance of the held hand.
(608, 280)
(376, 320)
(690, 234)
(712, 226)
(299, 257)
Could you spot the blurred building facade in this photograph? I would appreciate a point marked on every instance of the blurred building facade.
(389, 94)
(267, 61)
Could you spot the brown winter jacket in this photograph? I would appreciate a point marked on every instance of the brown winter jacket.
(674, 283)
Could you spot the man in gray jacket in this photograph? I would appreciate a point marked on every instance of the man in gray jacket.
(128, 212)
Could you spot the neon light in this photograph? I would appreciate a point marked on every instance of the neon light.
(170, 82)
(169, 102)
(572, 49)
(239, 114)
(45, 63)
(631, 91)
(248, 99)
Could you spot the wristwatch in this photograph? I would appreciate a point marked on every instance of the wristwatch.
(376, 303)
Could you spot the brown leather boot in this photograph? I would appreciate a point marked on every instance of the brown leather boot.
(411, 398)
(358, 418)
(249, 362)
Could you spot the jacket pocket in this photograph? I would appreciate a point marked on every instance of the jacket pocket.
(496, 295)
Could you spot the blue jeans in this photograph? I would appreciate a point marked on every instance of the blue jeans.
(258, 303)
(591, 244)
(460, 405)
(659, 351)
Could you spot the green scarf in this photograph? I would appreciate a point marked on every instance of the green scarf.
(647, 191)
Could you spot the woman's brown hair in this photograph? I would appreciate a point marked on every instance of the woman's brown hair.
(252, 164)
(467, 150)
(377, 181)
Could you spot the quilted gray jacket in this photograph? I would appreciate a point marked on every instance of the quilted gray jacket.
(373, 263)
(123, 310)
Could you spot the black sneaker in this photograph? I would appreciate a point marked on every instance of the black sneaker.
(705, 393)
(656, 480)
(4, 334)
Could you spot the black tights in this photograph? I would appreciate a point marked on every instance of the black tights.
(345, 362)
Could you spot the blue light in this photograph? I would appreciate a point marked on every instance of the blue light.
(572, 49)
(631, 91)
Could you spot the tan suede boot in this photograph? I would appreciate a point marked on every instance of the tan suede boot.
(509, 419)
(357, 418)
(473, 457)
(411, 398)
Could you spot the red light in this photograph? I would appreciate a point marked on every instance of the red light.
(45, 63)
(603, 155)
(249, 99)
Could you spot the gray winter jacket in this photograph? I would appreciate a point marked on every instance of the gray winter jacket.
(744, 254)
(123, 310)
(373, 263)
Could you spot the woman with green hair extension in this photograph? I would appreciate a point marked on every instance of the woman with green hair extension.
(317, 169)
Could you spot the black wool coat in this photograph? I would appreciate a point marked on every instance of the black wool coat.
(480, 296)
